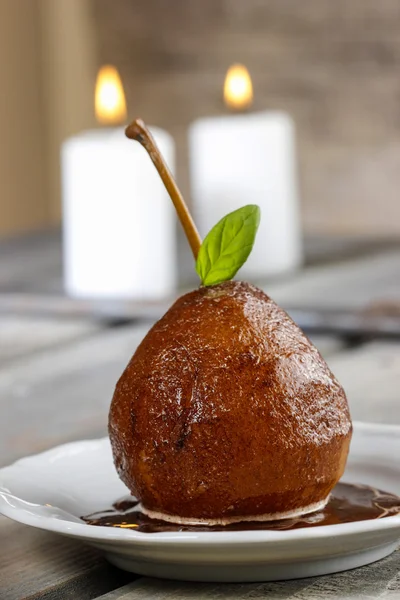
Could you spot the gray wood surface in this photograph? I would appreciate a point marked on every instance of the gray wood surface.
(23, 334)
(57, 377)
(31, 261)
(351, 284)
(379, 580)
(370, 375)
(63, 393)
(37, 564)
(328, 345)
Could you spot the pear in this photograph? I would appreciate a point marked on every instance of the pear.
(227, 412)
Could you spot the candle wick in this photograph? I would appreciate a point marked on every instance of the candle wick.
(138, 131)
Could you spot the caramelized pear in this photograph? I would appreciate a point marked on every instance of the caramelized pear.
(228, 412)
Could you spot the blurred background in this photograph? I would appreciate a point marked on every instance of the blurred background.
(333, 66)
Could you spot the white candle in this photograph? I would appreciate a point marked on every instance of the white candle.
(243, 159)
(118, 222)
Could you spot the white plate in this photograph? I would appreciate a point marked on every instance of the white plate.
(53, 489)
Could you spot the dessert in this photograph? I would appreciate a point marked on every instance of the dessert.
(226, 411)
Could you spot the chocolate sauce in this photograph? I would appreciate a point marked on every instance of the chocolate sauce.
(348, 503)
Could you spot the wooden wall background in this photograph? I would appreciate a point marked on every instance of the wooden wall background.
(22, 203)
(47, 74)
(334, 65)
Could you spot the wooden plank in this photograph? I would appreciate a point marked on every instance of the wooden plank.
(379, 580)
(35, 564)
(370, 375)
(23, 334)
(328, 345)
(63, 393)
(31, 261)
(109, 311)
(353, 284)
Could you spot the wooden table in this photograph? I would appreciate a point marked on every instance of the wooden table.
(56, 379)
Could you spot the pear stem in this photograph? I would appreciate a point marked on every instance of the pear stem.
(138, 131)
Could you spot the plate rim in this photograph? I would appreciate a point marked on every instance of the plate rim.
(104, 534)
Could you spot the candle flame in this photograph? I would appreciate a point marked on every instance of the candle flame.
(110, 105)
(238, 88)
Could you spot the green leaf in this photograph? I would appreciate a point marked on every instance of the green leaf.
(228, 245)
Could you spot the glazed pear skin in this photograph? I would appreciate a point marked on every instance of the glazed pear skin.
(226, 410)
